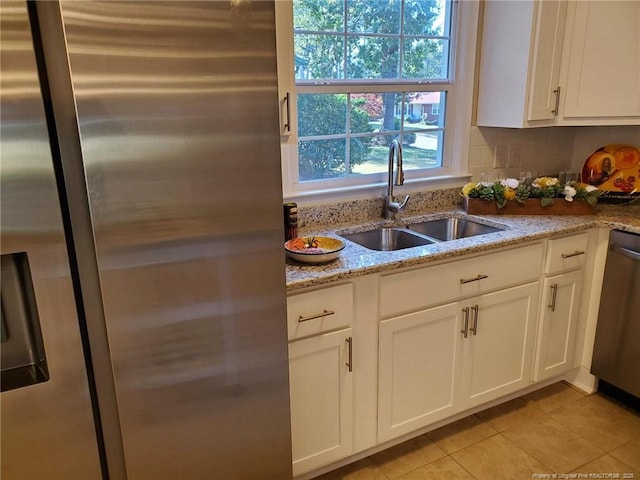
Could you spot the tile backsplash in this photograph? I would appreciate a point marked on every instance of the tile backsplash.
(509, 151)
(547, 150)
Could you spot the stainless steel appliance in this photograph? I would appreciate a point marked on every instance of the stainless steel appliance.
(142, 231)
(616, 354)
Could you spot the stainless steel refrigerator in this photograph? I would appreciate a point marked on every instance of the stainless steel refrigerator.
(143, 283)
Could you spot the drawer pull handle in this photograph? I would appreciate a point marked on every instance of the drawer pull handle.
(350, 361)
(574, 254)
(325, 313)
(554, 294)
(465, 329)
(474, 318)
(469, 280)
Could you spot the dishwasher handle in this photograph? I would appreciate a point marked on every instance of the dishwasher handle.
(626, 252)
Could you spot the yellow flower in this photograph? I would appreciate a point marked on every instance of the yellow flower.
(467, 188)
(544, 182)
(509, 193)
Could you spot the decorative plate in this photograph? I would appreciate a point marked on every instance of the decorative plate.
(313, 249)
(614, 169)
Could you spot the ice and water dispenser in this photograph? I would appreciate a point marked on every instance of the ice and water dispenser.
(22, 352)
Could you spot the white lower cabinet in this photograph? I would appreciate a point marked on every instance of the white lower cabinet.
(558, 323)
(498, 351)
(419, 364)
(321, 392)
(433, 342)
(436, 362)
(560, 306)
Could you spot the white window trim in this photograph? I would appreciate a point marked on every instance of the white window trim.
(459, 111)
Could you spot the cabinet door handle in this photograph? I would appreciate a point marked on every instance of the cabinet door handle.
(574, 254)
(474, 318)
(555, 109)
(325, 313)
(475, 279)
(287, 100)
(350, 353)
(465, 328)
(554, 293)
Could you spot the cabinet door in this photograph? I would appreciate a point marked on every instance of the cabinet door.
(558, 321)
(419, 361)
(520, 62)
(499, 351)
(321, 389)
(545, 66)
(604, 61)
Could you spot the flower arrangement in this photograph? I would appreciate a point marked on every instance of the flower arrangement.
(547, 189)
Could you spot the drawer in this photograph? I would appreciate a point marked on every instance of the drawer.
(421, 288)
(319, 311)
(566, 253)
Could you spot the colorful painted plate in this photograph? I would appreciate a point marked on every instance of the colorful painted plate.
(313, 249)
(614, 169)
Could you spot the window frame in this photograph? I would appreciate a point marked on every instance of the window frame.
(457, 121)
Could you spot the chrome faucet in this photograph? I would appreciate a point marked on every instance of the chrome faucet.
(391, 207)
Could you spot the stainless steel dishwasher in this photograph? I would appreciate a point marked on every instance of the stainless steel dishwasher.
(616, 355)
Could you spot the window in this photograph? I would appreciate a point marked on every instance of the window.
(367, 72)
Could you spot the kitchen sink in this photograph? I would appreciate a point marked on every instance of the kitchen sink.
(451, 228)
(418, 234)
(387, 239)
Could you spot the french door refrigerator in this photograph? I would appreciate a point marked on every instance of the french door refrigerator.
(143, 284)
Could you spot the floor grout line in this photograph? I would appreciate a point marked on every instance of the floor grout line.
(538, 405)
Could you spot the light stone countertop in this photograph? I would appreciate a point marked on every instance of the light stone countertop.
(356, 260)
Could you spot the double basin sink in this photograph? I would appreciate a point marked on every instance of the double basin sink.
(418, 234)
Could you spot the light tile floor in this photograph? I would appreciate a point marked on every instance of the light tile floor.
(554, 431)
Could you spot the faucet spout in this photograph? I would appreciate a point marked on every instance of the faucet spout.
(391, 207)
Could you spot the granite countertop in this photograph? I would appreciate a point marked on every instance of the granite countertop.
(356, 260)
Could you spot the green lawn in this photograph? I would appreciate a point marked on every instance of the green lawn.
(411, 158)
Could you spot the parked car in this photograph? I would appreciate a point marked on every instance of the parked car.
(414, 118)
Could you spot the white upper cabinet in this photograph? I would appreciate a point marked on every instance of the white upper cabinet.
(520, 63)
(553, 62)
(603, 63)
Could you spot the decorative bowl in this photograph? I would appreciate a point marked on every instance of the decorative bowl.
(313, 249)
(615, 170)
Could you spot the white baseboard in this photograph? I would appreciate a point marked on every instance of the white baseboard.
(581, 378)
